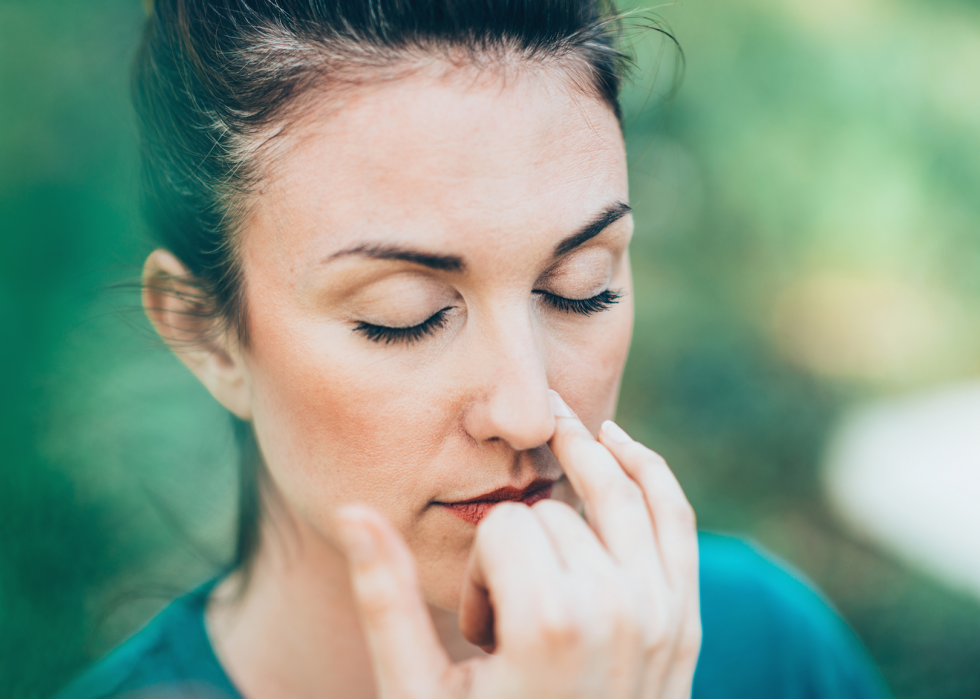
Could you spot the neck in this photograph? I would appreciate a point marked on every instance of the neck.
(293, 630)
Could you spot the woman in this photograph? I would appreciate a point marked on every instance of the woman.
(395, 246)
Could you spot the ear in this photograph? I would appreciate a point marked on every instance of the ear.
(180, 315)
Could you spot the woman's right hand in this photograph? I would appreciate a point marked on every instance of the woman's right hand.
(603, 609)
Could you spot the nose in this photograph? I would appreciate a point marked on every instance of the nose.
(511, 392)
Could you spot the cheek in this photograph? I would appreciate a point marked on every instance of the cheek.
(342, 426)
(588, 366)
(335, 428)
(338, 423)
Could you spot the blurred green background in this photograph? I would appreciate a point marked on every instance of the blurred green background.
(820, 157)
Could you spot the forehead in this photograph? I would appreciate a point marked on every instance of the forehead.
(456, 160)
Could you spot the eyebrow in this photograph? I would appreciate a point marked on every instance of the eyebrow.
(446, 263)
(454, 263)
(606, 218)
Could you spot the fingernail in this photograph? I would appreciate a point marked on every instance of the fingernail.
(358, 540)
(615, 432)
(558, 406)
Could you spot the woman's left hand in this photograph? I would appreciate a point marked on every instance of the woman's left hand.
(603, 609)
(649, 566)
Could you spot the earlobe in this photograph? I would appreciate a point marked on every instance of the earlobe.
(185, 319)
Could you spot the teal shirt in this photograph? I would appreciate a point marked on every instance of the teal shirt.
(766, 635)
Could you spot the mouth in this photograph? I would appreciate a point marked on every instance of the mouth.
(477, 508)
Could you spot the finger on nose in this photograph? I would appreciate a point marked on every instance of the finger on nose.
(613, 499)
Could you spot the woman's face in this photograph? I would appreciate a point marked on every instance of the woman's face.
(408, 265)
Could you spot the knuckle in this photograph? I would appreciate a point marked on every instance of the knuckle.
(690, 642)
(659, 631)
(655, 642)
(558, 629)
(618, 488)
(651, 473)
(599, 487)
(682, 513)
(645, 454)
(379, 596)
(622, 614)
(557, 634)
(644, 458)
(651, 467)
(653, 458)
(628, 629)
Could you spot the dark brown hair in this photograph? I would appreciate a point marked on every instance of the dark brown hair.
(216, 81)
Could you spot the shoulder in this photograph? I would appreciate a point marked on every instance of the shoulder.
(170, 657)
(139, 662)
(768, 633)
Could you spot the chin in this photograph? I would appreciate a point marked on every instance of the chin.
(441, 558)
(442, 581)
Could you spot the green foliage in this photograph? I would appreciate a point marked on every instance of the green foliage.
(810, 142)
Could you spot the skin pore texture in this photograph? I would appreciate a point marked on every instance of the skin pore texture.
(441, 195)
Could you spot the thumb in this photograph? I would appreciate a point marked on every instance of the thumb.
(408, 659)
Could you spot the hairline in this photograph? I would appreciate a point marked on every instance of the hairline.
(274, 142)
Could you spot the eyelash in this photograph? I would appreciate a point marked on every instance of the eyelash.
(602, 301)
(383, 334)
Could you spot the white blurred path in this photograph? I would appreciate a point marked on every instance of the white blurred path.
(907, 476)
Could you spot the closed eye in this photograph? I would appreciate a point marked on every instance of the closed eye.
(387, 335)
(586, 307)
(384, 334)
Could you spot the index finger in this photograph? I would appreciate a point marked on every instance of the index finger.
(616, 505)
(408, 659)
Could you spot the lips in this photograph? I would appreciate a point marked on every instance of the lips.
(477, 508)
